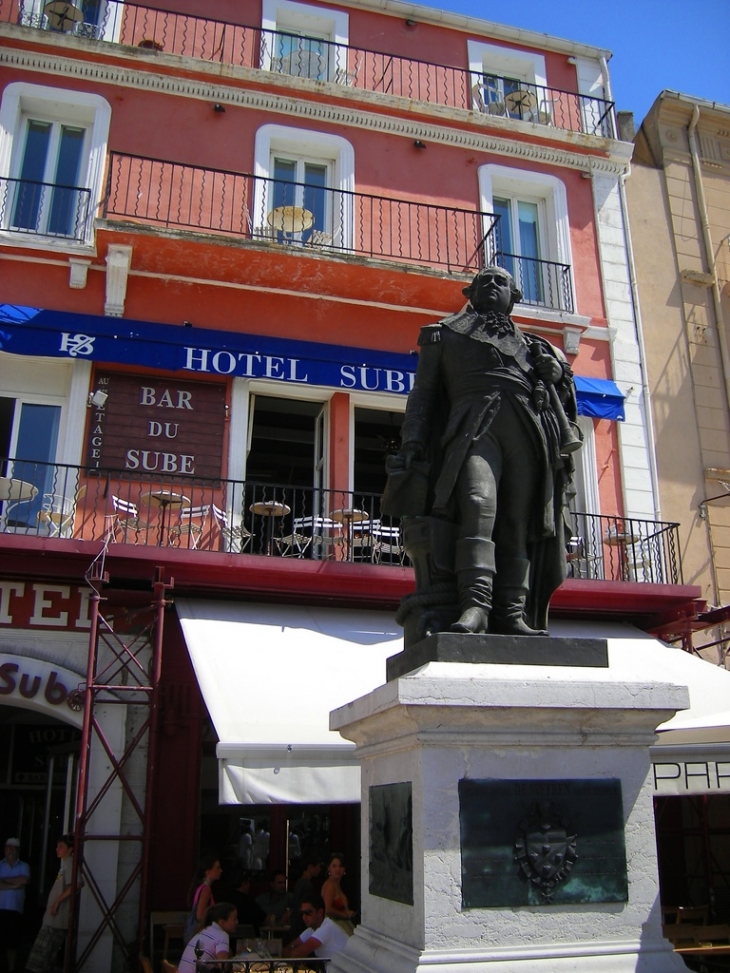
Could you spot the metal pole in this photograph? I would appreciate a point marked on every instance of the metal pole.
(83, 783)
(159, 604)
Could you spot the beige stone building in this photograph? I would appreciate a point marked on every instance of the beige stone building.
(678, 198)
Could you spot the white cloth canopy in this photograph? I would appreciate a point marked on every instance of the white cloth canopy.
(269, 675)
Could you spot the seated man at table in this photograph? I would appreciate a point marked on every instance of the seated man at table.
(322, 937)
(276, 903)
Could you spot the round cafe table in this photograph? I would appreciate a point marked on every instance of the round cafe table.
(349, 516)
(290, 220)
(12, 489)
(269, 509)
(164, 500)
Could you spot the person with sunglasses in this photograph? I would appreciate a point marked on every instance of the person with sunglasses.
(322, 937)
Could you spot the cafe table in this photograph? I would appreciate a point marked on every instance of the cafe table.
(269, 510)
(164, 500)
(349, 516)
(13, 489)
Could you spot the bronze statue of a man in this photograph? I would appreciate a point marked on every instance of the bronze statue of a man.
(483, 470)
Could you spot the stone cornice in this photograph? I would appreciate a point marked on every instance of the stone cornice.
(139, 77)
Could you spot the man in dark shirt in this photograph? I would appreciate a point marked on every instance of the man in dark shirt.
(249, 911)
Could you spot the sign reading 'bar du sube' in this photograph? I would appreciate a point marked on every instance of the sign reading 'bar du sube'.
(157, 425)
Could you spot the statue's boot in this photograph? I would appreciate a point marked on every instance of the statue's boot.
(510, 597)
(474, 565)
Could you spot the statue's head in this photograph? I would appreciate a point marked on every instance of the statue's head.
(493, 289)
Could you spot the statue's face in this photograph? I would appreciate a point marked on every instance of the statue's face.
(492, 292)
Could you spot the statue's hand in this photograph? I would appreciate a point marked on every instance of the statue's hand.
(410, 452)
(548, 368)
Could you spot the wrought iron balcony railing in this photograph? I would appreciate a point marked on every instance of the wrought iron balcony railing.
(543, 283)
(318, 59)
(317, 218)
(153, 510)
(45, 209)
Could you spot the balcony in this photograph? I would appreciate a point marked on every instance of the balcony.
(316, 59)
(543, 283)
(153, 510)
(301, 217)
(45, 209)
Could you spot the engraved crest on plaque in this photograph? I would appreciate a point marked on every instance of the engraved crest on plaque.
(544, 851)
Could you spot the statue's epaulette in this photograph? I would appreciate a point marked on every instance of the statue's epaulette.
(430, 334)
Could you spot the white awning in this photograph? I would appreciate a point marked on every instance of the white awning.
(692, 750)
(269, 675)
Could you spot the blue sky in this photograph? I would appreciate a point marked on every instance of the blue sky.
(656, 44)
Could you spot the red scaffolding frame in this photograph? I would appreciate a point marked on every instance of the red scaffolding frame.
(123, 669)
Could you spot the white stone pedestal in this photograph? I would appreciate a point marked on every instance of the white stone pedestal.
(451, 721)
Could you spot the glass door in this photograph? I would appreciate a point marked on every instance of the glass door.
(28, 438)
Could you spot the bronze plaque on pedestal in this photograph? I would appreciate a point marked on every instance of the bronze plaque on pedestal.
(541, 842)
(391, 842)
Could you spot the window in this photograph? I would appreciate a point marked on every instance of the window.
(304, 41)
(46, 198)
(507, 82)
(28, 441)
(518, 243)
(532, 238)
(302, 184)
(376, 436)
(303, 187)
(52, 149)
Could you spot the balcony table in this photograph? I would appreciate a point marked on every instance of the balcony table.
(349, 516)
(17, 490)
(290, 220)
(164, 499)
(61, 13)
(522, 101)
(269, 509)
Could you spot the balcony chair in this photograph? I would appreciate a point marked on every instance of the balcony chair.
(296, 543)
(125, 519)
(59, 512)
(82, 29)
(191, 523)
(387, 544)
(168, 967)
(237, 538)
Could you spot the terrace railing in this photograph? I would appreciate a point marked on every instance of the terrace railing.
(316, 59)
(45, 209)
(608, 548)
(317, 218)
(543, 283)
(277, 520)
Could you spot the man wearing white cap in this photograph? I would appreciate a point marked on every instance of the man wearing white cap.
(14, 876)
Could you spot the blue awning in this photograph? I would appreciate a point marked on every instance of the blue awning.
(599, 398)
(208, 352)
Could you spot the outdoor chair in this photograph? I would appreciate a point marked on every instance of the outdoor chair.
(191, 524)
(387, 544)
(237, 538)
(125, 520)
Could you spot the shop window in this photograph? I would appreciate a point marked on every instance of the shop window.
(507, 82)
(532, 238)
(28, 442)
(304, 41)
(52, 149)
(304, 185)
